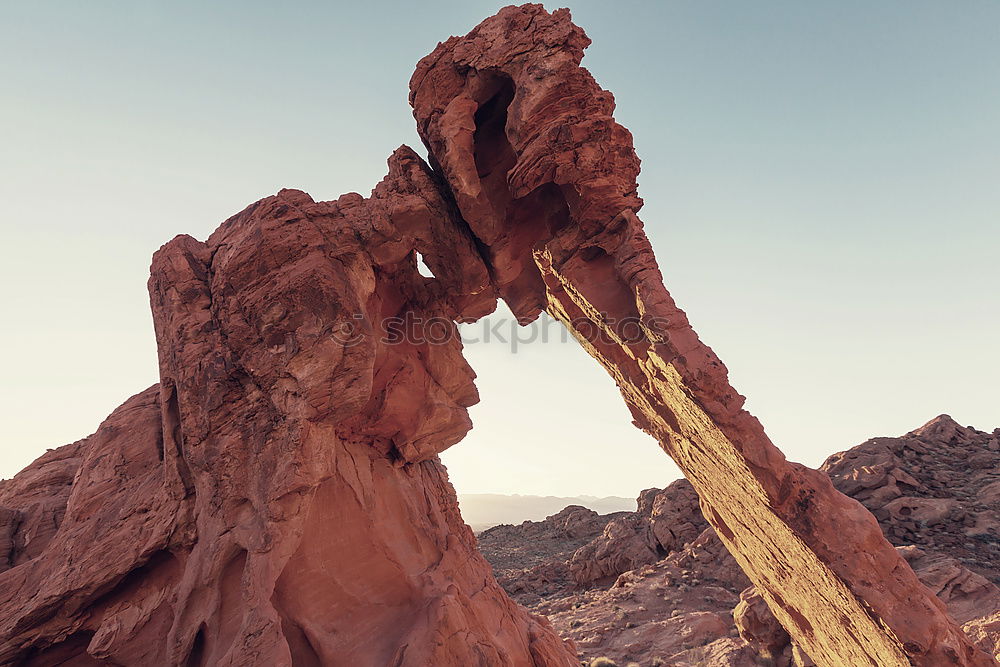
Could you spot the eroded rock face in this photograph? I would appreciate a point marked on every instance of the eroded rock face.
(665, 521)
(659, 612)
(971, 599)
(676, 611)
(760, 629)
(934, 486)
(527, 143)
(40, 494)
(531, 560)
(277, 499)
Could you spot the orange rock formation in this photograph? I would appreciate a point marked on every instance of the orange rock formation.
(277, 499)
(546, 180)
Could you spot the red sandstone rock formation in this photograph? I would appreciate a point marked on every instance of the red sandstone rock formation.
(664, 522)
(971, 599)
(531, 560)
(677, 611)
(276, 499)
(546, 180)
(933, 486)
(674, 610)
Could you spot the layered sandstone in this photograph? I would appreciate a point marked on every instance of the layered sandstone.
(546, 180)
(277, 498)
(693, 605)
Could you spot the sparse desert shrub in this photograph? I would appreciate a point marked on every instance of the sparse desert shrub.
(603, 662)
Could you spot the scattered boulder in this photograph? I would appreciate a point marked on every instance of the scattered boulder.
(665, 521)
(531, 560)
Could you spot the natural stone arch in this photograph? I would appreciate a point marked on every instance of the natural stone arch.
(561, 180)
(277, 498)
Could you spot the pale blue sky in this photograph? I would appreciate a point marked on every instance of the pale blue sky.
(821, 185)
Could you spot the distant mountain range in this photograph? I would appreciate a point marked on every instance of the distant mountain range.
(485, 510)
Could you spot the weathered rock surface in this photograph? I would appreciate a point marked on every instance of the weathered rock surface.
(758, 627)
(40, 494)
(546, 180)
(579, 548)
(658, 599)
(971, 599)
(664, 522)
(985, 632)
(676, 610)
(933, 487)
(277, 498)
(531, 560)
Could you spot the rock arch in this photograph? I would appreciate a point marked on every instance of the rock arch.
(818, 558)
(279, 491)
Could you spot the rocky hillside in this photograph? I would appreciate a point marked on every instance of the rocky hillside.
(657, 587)
(485, 510)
